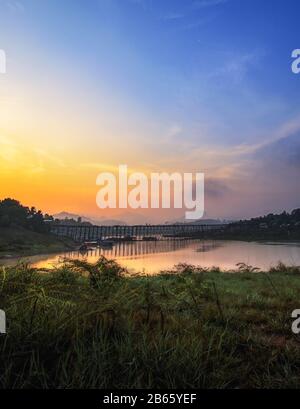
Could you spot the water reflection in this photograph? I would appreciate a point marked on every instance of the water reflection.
(151, 257)
(140, 248)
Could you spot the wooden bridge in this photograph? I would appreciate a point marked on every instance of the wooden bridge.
(81, 233)
(139, 247)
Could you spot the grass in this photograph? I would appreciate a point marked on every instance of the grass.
(88, 325)
(17, 241)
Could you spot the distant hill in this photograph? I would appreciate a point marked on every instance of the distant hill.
(67, 215)
(97, 222)
(199, 221)
(128, 218)
(133, 218)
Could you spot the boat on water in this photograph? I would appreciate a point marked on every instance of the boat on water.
(106, 243)
(84, 248)
(149, 238)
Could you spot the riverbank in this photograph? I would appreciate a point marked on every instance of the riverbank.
(20, 242)
(90, 326)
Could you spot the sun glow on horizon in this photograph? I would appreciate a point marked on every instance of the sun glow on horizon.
(91, 86)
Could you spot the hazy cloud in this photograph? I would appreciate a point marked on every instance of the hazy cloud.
(172, 16)
(15, 6)
(208, 3)
(236, 67)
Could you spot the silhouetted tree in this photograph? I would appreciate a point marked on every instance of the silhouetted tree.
(12, 213)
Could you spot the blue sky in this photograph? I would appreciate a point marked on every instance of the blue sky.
(181, 85)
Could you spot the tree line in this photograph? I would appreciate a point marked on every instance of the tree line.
(14, 214)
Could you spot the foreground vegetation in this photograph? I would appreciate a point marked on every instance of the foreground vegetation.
(91, 326)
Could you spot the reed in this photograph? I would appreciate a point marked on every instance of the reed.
(86, 325)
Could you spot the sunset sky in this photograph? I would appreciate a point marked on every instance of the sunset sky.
(159, 85)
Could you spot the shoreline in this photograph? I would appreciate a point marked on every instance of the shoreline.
(17, 242)
(32, 253)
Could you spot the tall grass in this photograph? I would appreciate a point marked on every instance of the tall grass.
(86, 325)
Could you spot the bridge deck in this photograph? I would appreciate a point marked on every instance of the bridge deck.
(81, 233)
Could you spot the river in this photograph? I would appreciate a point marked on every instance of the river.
(151, 257)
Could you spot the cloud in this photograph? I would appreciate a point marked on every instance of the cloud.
(208, 3)
(215, 188)
(198, 23)
(236, 163)
(172, 16)
(15, 6)
(237, 66)
(36, 160)
(286, 130)
(172, 133)
(103, 167)
(221, 153)
(141, 3)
